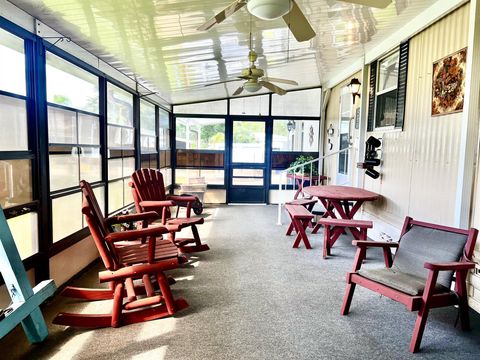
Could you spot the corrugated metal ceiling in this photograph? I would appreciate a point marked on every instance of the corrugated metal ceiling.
(158, 40)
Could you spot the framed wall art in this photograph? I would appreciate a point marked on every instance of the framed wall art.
(448, 83)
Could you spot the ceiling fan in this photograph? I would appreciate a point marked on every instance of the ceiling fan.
(256, 80)
(288, 9)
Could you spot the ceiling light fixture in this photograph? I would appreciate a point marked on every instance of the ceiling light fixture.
(269, 9)
(251, 86)
(354, 87)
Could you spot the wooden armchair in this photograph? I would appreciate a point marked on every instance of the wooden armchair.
(139, 255)
(421, 274)
(149, 195)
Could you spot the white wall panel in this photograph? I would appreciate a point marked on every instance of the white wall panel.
(419, 164)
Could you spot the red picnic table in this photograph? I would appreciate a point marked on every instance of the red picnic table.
(345, 200)
(301, 178)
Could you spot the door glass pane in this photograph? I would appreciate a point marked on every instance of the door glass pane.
(15, 182)
(246, 181)
(248, 142)
(12, 69)
(248, 172)
(13, 123)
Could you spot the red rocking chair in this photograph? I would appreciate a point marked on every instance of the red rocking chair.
(135, 261)
(149, 195)
(421, 274)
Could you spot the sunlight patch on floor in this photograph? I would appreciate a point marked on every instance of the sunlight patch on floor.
(157, 354)
(73, 347)
(152, 329)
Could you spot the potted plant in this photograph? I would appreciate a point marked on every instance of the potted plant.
(302, 159)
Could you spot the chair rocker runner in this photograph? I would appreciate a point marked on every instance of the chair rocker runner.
(135, 262)
(149, 195)
(421, 274)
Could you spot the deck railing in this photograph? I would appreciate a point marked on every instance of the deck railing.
(303, 175)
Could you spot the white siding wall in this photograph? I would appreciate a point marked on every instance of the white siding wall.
(419, 166)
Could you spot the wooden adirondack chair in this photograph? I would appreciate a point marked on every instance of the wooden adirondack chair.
(128, 255)
(421, 274)
(149, 195)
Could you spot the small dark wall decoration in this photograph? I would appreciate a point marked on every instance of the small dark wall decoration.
(448, 83)
(357, 118)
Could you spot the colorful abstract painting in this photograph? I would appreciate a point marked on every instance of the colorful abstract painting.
(448, 83)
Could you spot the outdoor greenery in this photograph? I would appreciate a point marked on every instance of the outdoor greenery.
(301, 159)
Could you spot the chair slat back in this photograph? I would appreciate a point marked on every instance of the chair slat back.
(148, 185)
(98, 226)
(425, 242)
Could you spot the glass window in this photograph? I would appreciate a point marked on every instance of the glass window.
(15, 182)
(251, 105)
(386, 96)
(64, 167)
(295, 135)
(211, 107)
(69, 162)
(121, 145)
(211, 177)
(248, 142)
(148, 129)
(71, 86)
(64, 225)
(62, 126)
(298, 103)
(13, 124)
(12, 69)
(24, 230)
(88, 130)
(119, 106)
(200, 133)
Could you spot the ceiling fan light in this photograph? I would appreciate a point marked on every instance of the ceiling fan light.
(252, 86)
(269, 9)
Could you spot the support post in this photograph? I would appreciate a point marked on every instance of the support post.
(469, 132)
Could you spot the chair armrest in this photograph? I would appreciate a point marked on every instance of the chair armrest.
(149, 215)
(137, 271)
(181, 197)
(367, 244)
(449, 266)
(156, 204)
(137, 234)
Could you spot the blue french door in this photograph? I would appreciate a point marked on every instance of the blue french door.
(248, 162)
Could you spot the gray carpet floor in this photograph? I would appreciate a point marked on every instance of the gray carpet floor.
(254, 297)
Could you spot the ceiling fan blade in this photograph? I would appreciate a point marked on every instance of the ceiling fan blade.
(381, 4)
(221, 82)
(238, 91)
(222, 15)
(272, 87)
(283, 81)
(298, 24)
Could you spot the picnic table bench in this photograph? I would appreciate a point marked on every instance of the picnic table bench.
(300, 217)
(333, 226)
